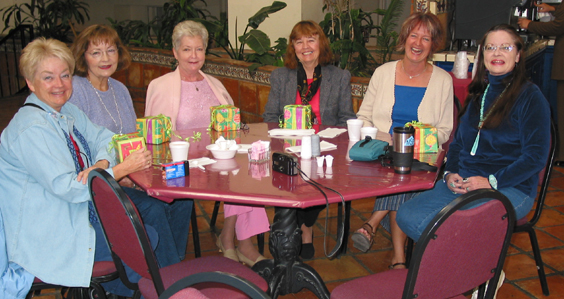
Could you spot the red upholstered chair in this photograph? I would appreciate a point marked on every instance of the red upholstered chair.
(102, 272)
(183, 289)
(129, 244)
(459, 250)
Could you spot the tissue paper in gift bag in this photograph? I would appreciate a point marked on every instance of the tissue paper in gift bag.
(426, 138)
(155, 129)
(126, 144)
(297, 117)
(225, 118)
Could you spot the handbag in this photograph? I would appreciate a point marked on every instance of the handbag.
(368, 149)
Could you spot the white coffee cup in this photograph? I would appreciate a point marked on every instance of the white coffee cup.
(353, 126)
(179, 150)
(368, 131)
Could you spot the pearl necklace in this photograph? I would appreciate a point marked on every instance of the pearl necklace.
(414, 76)
(108, 111)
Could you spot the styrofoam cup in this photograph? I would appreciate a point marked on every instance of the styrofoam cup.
(179, 150)
(353, 127)
(368, 131)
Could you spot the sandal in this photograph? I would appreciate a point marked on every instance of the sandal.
(360, 241)
(393, 267)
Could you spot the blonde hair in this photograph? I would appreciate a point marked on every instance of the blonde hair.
(40, 49)
(189, 28)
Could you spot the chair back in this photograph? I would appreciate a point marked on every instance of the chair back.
(123, 228)
(462, 248)
(544, 180)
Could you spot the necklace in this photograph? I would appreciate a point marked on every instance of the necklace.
(108, 111)
(414, 76)
(483, 118)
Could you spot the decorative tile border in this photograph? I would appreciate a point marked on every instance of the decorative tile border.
(153, 58)
(235, 71)
(224, 69)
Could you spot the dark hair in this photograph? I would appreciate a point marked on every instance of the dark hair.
(97, 34)
(308, 28)
(517, 78)
(428, 21)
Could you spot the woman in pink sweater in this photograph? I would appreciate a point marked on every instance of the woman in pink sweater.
(186, 95)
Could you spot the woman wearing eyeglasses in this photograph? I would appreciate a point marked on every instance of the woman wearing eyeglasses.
(502, 141)
(99, 53)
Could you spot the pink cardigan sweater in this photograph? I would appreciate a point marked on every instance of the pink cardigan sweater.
(163, 95)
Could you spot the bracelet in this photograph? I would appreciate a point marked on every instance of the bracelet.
(445, 174)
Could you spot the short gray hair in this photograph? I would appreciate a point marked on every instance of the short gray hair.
(189, 28)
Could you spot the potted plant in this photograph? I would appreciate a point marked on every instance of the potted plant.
(50, 18)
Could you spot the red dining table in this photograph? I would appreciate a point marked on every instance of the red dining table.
(237, 181)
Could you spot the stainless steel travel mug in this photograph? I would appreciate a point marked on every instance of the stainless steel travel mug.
(403, 138)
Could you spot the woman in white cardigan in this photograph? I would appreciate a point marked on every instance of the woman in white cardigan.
(400, 92)
(186, 96)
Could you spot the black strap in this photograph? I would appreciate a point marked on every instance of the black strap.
(34, 105)
(368, 139)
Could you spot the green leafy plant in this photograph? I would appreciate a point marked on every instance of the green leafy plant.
(50, 18)
(257, 40)
(348, 30)
(387, 38)
(158, 32)
(175, 12)
(135, 32)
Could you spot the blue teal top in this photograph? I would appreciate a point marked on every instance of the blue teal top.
(44, 207)
(514, 152)
(408, 99)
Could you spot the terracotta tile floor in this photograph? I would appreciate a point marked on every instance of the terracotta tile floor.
(521, 281)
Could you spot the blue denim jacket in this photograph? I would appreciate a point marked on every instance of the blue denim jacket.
(45, 209)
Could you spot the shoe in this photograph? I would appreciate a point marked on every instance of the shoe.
(360, 241)
(499, 284)
(393, 267)
(308, 251)
(247, 260)
(229, 253)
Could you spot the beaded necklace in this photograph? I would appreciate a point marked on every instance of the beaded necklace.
(120, 128)
(483, 118)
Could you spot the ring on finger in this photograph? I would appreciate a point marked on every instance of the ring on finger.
(452, 184)
(467, 188)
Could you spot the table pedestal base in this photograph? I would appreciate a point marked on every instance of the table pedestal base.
(286, 273)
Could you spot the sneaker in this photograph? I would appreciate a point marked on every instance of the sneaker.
(499, 283)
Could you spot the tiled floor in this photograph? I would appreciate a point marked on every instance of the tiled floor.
(521, 280)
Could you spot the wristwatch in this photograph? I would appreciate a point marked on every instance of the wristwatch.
(493, 181)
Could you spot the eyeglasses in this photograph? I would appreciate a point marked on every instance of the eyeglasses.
(98, 53)
(506, 48)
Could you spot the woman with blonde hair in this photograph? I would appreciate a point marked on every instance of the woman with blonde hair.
(400, 92)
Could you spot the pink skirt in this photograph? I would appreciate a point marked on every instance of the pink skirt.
(251, 220)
